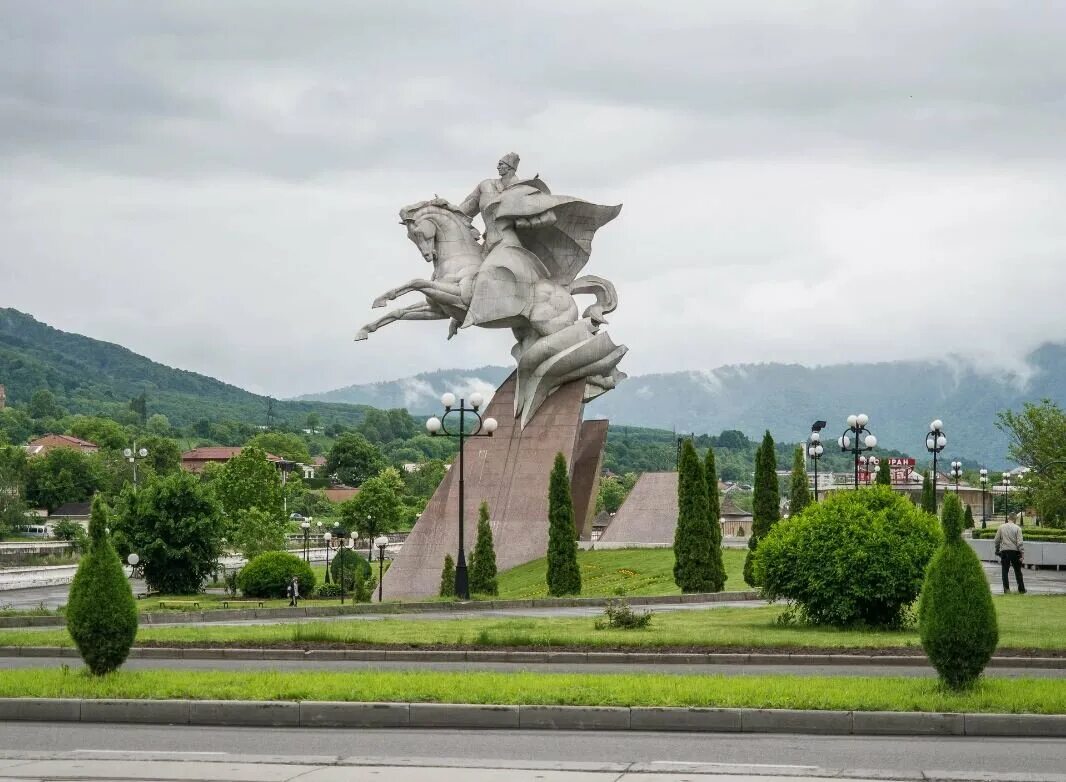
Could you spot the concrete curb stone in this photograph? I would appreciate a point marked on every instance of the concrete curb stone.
(1015, 724)
(332, 714)
(41, 709)
(250, 713)
(895, 723)
(462, 715)
(140, 711)
(693, 719)
(795, 721)
(574, 717)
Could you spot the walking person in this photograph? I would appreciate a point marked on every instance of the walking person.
(294, 592)
(1011, 552)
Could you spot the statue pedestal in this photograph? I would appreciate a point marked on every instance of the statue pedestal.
(510, 471)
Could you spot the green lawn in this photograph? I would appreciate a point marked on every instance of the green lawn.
(1026, 622)
(1043, 696)
(622, 571)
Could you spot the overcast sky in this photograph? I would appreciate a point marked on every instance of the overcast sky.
(215, 185)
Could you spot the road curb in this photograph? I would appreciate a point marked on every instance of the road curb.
(312, 612)
(529, 657)
(309, 714)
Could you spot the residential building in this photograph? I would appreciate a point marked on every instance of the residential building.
(198, 458)
(48, 442)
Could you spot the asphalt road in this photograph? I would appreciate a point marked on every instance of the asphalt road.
(897, 754)
(10, 663)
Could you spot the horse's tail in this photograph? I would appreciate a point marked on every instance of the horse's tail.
(603, 290)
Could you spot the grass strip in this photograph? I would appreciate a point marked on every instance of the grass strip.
(1036, 622)
(1037, 696)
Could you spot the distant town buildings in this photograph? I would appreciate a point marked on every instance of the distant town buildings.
(48, 442)
(198, 458)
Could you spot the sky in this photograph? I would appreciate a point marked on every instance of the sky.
(216, 185)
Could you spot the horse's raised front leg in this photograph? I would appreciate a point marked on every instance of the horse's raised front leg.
(441, 292)
(424, 311)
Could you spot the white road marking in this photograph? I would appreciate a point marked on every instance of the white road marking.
(729, 765)
(145, 752)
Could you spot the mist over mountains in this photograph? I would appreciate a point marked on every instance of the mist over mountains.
(901, 398)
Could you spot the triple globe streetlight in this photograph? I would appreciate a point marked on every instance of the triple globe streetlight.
(856, 439)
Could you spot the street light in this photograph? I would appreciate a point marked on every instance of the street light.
(984, 502)
(369, 540)
(857, 438)
(132, 455)
(327, 537)
(956, 473)
(381, 542)
(484, 428)
(1006, 501)
(133, 560)
(305, 525)
(935, 442)
(815, 451)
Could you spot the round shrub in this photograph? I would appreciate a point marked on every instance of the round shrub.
(101, 612)
(956, 618)
(327, 591)
(354, 567)
(269, 574)
(857, 558)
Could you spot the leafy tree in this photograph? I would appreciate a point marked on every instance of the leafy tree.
(61, 475)
(164, 455)
(353, 459)
(968, 520)
(956, 617)
(257, 531)
(884, 473)
(43, 405)
(158, 425)
(101, 612)
(103, 431)
(313, 422)
(799, 495)
(564, 576)
(693, 558)
(12, 472)
(246, 481)
(714, 503)
(483, 565)
(270, 573)
(352, 567)
(610, 495)
(425, 480)
(284, 444)
(766, 502)
(139, 406)
(928, 503)
(377, 508)
(1038, 440)
(447, 577)
(15, 425)
(176, 527)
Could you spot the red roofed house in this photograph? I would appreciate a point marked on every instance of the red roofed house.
(197, 458)
(340, 493)
(48, 442)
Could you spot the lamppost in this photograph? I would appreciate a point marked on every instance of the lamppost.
(935, 442)
(381, 542)
(956, 473)
(305, 525)
(857, 438)
(483, 428)
(369, 540)
(132, 455)
(133, 559)
(1006, 499)
(984, 501)
(327, 537)
(815, 451)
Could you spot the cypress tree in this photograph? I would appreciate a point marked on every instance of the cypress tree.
(564, 576)
(968, 518)
(956, 617)
(799, 495)
(693, 559)
(884, 473)
(483, 568)
(101, 612)
(766, 500)
(710, 473)
(447, 577)
(928, 497)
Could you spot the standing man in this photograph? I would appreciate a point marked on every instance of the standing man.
(1011, 553)
(294, 592)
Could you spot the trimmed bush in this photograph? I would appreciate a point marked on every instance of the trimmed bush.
(447, 577)
(693, 557)
(269, 575)
(327, 591)
(968, 518)
(857, 558)
(564, 576)
(354, 567)
(483, 564)
(101, 612)
(799, 495)
(928, 503)
(956, 618)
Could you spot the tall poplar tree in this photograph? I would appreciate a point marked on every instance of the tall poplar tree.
(799, 495)
(692, 538)
(564, 575)
(928, 495)
(884, 473)
(766, 500)
(710, 474)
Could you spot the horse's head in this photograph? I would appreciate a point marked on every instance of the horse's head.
(426, 219)
(420, 230)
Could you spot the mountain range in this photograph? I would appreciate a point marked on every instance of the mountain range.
(901, 398)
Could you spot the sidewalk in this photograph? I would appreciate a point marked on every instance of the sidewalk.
(219, 767)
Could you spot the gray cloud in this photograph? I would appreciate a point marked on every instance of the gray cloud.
(215, 184)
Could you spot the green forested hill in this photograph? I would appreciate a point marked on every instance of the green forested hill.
(90, 376)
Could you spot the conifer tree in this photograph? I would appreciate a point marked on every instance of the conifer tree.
(564, 576)
(692, 538)
(766, 500)
(884, 473)
(956, 617)
(968, 518)
(101, 612)
(710, 473)
(483, 566)
(928, 496)
(799, 495)
(447, 577)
